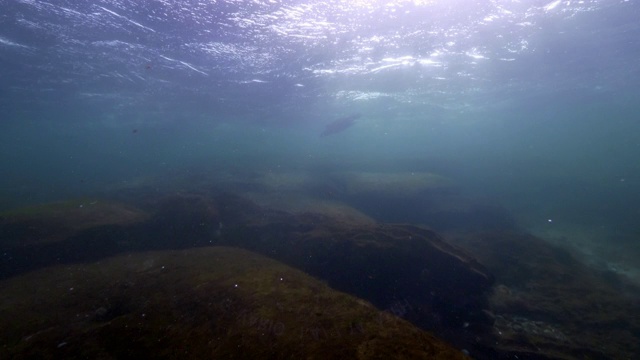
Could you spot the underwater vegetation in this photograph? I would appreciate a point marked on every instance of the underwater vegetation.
(218, 274)
(213, 302)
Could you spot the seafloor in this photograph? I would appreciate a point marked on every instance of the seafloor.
(352, 265)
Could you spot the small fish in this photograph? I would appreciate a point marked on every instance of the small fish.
(340, 125)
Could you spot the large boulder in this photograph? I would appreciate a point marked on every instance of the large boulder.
(51, 222)
(73, 230)
(205, 303)
(86, 230)
(549, 305)
(408, 269)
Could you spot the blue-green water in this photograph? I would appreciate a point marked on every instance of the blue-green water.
(532, 104)
(486, 120)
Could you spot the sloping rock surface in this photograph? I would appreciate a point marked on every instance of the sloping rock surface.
(204, 303)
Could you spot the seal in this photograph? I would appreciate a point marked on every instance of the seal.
(340, 125)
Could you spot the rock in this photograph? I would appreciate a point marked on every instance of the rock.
(392, 185)
(205, 303)
(75, 230)
(409, 270)
(55, 221)
(180, 221)
(548, 305)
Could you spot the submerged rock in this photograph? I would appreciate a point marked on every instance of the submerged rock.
(52, 222)
(393, 185)
(548, 305)
(75, 230)
(205, 303)
(409, 270)
(88, 230)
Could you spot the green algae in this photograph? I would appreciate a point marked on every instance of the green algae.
(52, 222)
(201, 303)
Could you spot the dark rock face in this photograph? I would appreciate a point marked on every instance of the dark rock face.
(409, 271)
(543, 303)
(72, 231)
(206, 303)
(180, 221)
(78, 231)
(396, 266)
(548, 305)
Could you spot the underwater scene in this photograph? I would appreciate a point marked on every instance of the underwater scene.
(320, 179)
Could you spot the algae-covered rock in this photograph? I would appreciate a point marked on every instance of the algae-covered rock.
(74, 230)
(408, 269)
(298, 204)
(548, 305)
(52, 222)
(182, 220)
(393, 185)
(205, 303)
(80, 230)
